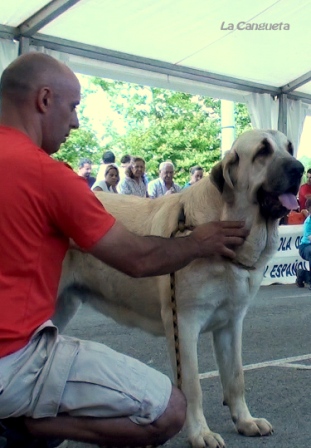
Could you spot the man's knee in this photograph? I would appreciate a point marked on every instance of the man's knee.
(173, 418)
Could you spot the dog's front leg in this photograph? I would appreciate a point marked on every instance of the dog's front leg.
(199, 434)
(228, 350)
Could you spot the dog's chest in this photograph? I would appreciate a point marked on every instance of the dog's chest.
(216, 292)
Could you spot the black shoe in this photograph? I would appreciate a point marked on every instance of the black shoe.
(300, 278)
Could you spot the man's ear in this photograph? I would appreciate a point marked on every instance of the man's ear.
(43, 99)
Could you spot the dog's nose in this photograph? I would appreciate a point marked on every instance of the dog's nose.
(294, 171)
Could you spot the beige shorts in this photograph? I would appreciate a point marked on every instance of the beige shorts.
(58, 374)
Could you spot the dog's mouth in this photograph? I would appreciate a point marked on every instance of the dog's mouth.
(277, 205)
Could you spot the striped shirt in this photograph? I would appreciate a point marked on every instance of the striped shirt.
(130, 186)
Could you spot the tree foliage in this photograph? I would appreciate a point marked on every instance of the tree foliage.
(159, 125)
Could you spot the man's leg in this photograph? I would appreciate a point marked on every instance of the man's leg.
(115, 432)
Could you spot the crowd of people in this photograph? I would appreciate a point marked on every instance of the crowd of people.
(129, 177)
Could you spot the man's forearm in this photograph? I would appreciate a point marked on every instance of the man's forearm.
(159, 256)
(140, 256)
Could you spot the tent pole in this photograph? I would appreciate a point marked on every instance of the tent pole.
(282, 122)
(227, 126)
(23, 45)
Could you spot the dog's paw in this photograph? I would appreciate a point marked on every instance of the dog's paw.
(255, 427)
(207, 439)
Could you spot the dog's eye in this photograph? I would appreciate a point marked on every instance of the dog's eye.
(264, 150)
(290, 148)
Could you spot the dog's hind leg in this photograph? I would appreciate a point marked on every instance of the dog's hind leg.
(228, 347)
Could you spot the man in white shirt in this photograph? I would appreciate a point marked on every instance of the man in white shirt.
(164, 184)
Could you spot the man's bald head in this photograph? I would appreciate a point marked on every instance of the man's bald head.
(30, 72)
(38, 96)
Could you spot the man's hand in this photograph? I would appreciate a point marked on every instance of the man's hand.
(219, 238)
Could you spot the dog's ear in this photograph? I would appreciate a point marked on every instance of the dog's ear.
(217, 177)
(224, 175)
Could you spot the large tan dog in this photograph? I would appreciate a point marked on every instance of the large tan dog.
(257, 181)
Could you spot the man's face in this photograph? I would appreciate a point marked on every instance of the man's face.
(167, 174)
(309, 178)
(85, 170)
(61, 115)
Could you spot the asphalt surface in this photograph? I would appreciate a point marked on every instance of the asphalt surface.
(276, 355)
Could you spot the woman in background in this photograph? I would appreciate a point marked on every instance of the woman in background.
(109, 184)
(134, 181)
(196, 174)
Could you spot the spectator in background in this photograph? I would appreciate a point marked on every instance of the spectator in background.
(124, 164)
(108, 158)
(134, 182)
(196, 174)
(305, 191)
(110, 183)
(165, 183)
(303, 275)
(85, 169)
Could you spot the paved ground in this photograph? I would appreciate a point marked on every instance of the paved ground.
(276, 355)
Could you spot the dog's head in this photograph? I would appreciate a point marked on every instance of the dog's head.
(260, 165)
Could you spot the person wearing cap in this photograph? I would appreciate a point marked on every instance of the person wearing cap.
(108, 158)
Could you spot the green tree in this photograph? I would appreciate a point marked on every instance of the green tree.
(169, 125)
(242, 118)
(82, 142)
(159, 125)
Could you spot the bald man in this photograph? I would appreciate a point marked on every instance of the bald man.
(67, 388)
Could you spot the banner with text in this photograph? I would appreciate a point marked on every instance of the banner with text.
(282, 267)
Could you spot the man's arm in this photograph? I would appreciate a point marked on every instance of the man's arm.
(140, 256)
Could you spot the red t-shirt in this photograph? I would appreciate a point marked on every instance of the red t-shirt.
(304, 191)
(43, 204)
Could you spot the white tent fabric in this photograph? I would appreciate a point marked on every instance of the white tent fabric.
(237, 50)
(263, 110)
(8, 52)
(296, 114)
(82, 65)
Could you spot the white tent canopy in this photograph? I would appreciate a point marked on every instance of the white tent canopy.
(199, 46)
